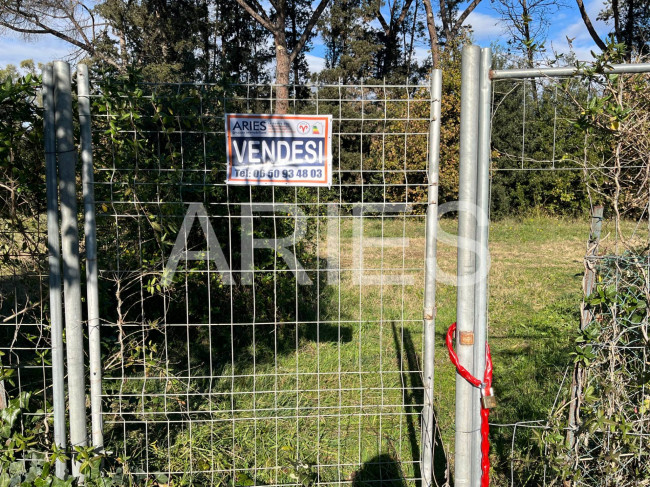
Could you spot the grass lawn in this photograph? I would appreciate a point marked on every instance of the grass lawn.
(342, 402)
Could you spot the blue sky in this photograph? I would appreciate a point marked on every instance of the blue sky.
(484, 20)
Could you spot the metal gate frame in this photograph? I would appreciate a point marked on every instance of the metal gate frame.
(59, 145)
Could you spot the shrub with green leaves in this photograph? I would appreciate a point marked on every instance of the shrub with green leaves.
(610, 445)
(26, 457)
(21, 149)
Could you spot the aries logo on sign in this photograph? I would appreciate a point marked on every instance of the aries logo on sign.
(303, 128)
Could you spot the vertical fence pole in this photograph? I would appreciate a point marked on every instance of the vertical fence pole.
(54, 260)
(70, 251)
(428, 426)
(90, 233)
(482, 255)
(589, 280)
(588, 285)
(466, 261)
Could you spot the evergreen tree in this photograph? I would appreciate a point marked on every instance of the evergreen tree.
(168, 40)
(279, 21)
(351, 47)
(243, 48)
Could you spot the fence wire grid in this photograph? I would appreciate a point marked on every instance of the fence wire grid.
(307, 368)
(281, 383)
(612, 447)
(563, 143)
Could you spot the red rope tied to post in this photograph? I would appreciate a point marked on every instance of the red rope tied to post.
(485, 387)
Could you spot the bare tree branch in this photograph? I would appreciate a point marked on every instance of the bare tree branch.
(261, 17)
(402, 15)
(59, 18)
(382, 21)
(92, 18)
(433, 34)
(587, 21)
(308, 28)
(445, 17)
(394, 22)
(47, 30)
(461, 20)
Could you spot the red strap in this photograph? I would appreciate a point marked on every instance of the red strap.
(485, 413)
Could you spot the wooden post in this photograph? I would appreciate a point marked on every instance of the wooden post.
(589, 279)
(3, 396)
(588, 285)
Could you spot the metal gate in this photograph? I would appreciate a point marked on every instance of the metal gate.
(249, 335)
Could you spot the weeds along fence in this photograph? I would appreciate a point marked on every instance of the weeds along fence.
(286, 346)
(574, 138)
(293, 360)
(611, 446)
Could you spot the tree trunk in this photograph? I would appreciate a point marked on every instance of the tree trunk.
(294, 34)
(588, 285)
(617, 21)
(277, 27)
(433, 35)
(282, 73)
(123, 52)
(629, 31)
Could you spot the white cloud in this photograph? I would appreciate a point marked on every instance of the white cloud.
(593, 8)
(485, 27)
(315, 63)
(421, 53)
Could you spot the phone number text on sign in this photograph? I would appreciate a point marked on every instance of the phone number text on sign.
(294, 150)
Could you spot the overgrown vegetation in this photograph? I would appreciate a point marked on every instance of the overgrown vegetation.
(609, 444)
(183, 360)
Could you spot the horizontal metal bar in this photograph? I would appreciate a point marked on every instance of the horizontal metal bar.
(566, 71)
(321, 467)
(551, 168)
(253, 395)
(192, 84)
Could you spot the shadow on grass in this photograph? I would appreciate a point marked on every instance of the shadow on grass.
(380, 470)
(413, 396)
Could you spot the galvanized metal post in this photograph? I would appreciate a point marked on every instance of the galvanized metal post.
(67, 156)
(54, 260)
(466, 260)
(482, 255)
(428, 425)
(628, 68)
(92, 282)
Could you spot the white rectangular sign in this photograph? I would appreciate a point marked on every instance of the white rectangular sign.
(293, 150)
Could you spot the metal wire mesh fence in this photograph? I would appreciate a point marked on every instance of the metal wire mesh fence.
(283, 343)
(297, 361)
(25, 358)
(570, 143)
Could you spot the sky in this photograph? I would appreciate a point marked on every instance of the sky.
(484, 21)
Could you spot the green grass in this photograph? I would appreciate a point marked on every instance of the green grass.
(340, 403)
